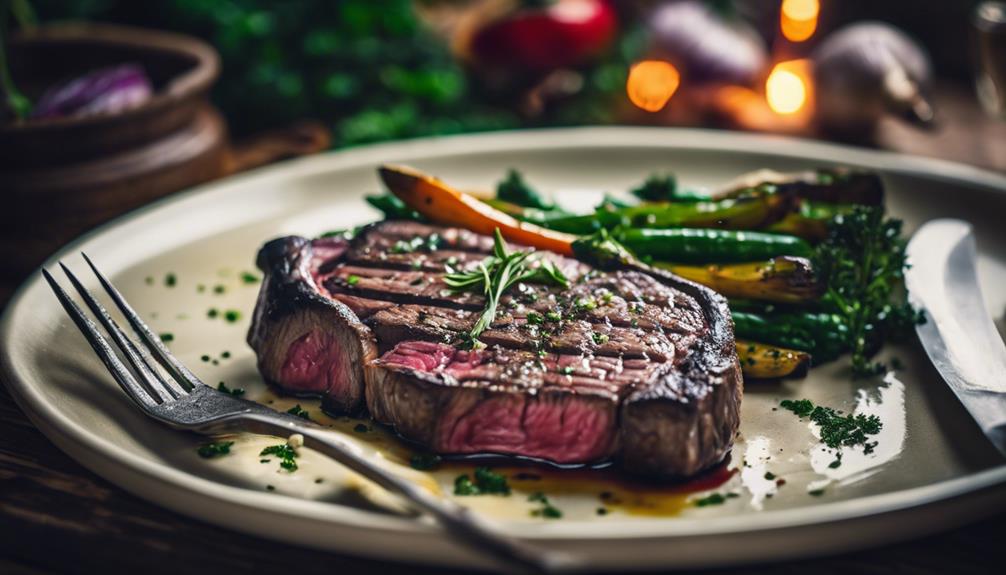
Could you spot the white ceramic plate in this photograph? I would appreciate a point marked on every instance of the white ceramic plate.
(932, 469)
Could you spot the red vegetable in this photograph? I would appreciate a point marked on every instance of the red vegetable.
(563, 34)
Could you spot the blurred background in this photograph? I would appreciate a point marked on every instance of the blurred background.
(101, 94)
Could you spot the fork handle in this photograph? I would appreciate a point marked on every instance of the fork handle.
(455, 518)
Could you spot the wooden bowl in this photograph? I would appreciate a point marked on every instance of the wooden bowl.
(62, 176)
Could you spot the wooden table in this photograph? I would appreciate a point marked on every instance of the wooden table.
(57, 517)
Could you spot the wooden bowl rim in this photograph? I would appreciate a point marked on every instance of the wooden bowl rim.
(184, 86)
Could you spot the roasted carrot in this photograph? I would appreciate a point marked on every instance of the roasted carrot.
(442, 204)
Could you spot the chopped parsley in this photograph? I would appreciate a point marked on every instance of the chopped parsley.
(600, 338)
(212, 312)
(352, 279)
(547, 510)
(167, 337)
(170, 280)
(534, 318)
(485, 482)
(769, 475)
(236, 392)
(567, 370)
(232, 315)
(424, 461)
(286, 454)
(553, 316)
(816, 492)
(249, 278)
(214, 449)
(219, 289)
(838, 429)
(714, 499)
(299, 412)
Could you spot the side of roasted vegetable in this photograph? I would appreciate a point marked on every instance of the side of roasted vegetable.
(762, 361)
(697, 246)
(832, 185)
(783, 279)
(442, 204)
(823, 335)
(810, 221)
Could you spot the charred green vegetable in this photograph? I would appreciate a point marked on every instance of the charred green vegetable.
(782, 279)
(823, 335)
(810, 221)
(831, 185)
(687, 245)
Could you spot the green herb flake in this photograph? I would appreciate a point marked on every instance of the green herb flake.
(600, 338)
(205, 358)
(769, 475)
(232, 316)
(212, 313)
(219, 289)
(553, 316)
(167, 337)
(547, 510)
(236, 392)
(214, 449)
(816, 492)
(535, 318)
(299, 412)
(424, 461)
(286, 454)
(250, 278)
(352, 279)
(485, 482)
(711, 499)
(170, 280)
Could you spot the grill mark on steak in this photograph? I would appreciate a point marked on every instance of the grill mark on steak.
(661, 396)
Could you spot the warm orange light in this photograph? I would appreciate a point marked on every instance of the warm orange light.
(651, 84)
(787, 89)
(798, 19)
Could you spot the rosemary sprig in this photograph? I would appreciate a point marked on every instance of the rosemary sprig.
(498, 273)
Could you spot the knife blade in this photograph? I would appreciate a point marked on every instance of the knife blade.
(958, 335)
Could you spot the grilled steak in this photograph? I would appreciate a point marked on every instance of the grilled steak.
(631, 364)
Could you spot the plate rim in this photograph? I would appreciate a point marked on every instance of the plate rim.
(92, 445)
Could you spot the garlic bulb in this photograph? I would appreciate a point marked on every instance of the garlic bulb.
(867, 70)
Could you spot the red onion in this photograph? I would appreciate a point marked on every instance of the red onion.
(104, 91)
(704, 47)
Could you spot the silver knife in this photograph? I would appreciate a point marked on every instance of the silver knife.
(959, 336)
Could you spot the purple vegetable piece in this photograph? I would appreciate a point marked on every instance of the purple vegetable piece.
(704, 46)
(104, 91)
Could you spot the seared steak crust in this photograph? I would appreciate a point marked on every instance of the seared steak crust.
(633, 364)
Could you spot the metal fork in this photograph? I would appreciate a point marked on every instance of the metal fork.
(167, 391)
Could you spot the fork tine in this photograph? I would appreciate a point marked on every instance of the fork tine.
(101, 346)
(150, 378)
(175, 367)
